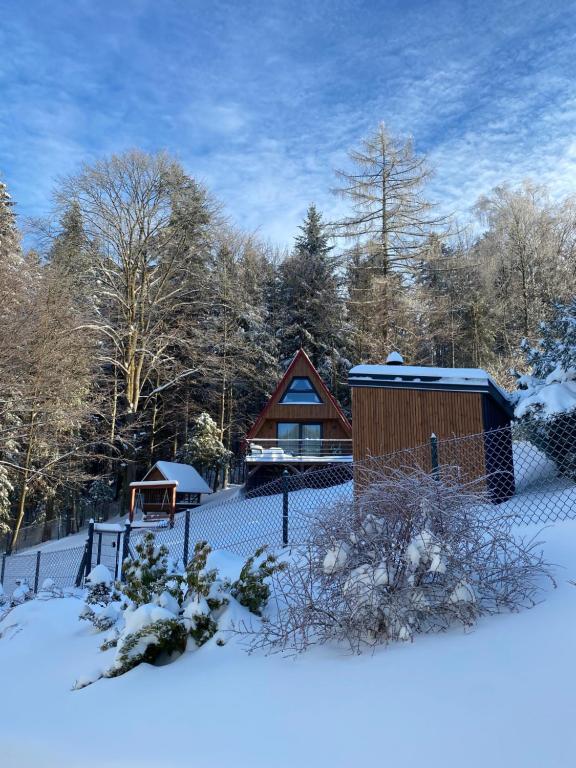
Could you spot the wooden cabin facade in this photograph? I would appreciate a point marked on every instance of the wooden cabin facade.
(300, 427)
(167, 488)
(396, 407)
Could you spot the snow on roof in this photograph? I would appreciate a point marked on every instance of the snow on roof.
(427, 375)
(189, 481)
(395, 358)
(423, 371)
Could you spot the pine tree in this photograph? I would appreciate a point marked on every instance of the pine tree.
(236, 345)
(311, 303)
(556, 348)
(70, 253)
(9, 241)
(145, 575)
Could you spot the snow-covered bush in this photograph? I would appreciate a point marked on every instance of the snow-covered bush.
(101, 589)
(152, 635)
(251, 588)
(206, 596)
(410, 554)
(3, 599)
(545, 401)
(145, 575)
(21, 593)
(49, 590)
(167, 610)
(101, 607)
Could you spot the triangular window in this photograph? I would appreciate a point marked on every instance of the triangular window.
(301, 392)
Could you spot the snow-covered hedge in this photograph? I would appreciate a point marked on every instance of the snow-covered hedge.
(411, 554)
(162, 610)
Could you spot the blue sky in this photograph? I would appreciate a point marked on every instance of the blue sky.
(261, 100)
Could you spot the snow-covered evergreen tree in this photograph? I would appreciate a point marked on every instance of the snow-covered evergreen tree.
(6, 489)
(545, 401)
(311, 305)
(100, 490)
(204, 448)
(550, 389)
(9, 237)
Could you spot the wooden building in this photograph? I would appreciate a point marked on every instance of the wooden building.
(396, 407)
(301, 427)
(167, 488)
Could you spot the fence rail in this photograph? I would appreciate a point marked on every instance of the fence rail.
(528, 470)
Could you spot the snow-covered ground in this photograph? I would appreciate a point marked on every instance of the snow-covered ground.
(500, 696)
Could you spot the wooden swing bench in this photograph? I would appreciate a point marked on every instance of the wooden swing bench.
(154, 499)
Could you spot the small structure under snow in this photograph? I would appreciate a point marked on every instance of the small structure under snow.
(167, 488)
(397, 406)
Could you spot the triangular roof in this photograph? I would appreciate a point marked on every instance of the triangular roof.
(188, 479)
(319, 385)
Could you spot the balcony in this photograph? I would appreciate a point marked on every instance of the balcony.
(298, 451)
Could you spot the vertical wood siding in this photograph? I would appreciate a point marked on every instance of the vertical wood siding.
(388, 420)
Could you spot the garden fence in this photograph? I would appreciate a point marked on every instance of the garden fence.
(61, 526)
(526, 471)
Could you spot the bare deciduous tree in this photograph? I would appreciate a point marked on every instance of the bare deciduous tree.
(148, 223)
(390, 224)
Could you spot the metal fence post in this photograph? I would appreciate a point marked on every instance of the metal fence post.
(186, 537)
(434, 455)
(285, 476)
(37, 573)
(89, 543)
(125, 548)
(99, 553)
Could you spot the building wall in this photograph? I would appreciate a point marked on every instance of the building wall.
(386, 420)
(325, 412)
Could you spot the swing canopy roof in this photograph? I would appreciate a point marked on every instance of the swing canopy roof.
(170, 473)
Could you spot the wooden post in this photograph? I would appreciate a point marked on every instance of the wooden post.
(132, 498)
(173, 506)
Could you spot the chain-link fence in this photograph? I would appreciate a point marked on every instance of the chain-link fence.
(527, 471)
(61, 526)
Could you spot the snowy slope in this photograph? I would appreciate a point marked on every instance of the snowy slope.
(501, 696)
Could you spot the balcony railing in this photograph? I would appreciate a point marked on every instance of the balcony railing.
(298, 450)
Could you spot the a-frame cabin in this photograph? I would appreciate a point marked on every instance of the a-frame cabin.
(301, 426)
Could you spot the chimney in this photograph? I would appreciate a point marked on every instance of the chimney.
(394, 358)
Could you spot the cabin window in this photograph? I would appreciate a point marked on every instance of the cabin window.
(301, 392)
(299, 439)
